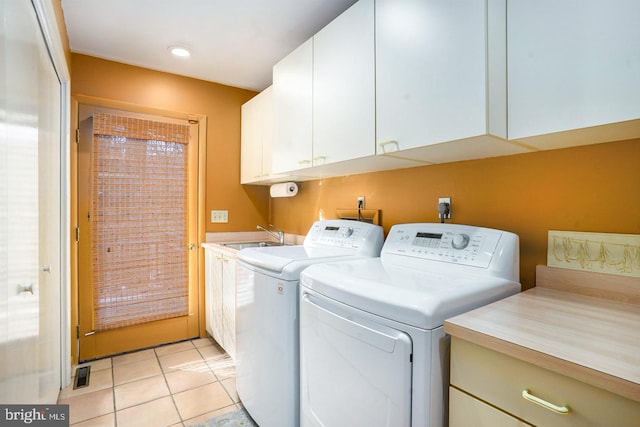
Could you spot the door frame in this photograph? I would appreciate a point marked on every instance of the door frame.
(53, 31)
(76, 100)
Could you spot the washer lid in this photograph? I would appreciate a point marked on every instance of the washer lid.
(418, 298)
(289, 261)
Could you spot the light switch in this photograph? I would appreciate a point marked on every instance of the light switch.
(219, 216)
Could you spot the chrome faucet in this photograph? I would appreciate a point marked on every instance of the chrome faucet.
(276, 234)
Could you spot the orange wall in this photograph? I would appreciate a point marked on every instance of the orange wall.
(62, 29)
(590, 188)
(142, 87)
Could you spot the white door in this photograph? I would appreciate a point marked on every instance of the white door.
(344, 87)
(572, 64)
(353, 372)
(30, 211)
(430, 72)
(292, 114)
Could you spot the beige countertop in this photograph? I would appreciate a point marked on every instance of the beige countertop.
(592, 339)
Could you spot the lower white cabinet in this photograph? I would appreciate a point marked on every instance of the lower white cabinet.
(220, 296)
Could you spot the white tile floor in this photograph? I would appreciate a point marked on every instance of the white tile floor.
(173, 385)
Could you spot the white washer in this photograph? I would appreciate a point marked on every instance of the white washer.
(267, 328)
(372, 346)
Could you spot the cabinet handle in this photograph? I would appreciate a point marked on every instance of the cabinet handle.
(391, 143)
(304, 162)
(26, 289)
(547, 405)
(318, 159)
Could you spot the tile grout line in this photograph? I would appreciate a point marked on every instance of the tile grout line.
(233, 402)
(113, 393)
(156, 356)
(164, 376)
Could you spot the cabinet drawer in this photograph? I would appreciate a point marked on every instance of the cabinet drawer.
(500, 380)
(465, 410)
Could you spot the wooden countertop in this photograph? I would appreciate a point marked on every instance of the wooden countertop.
(592, 339)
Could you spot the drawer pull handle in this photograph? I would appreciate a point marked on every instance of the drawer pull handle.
(547, 405)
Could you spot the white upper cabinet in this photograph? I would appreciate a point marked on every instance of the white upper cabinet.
(441, 78)
(573, 65)
(344, 87)
(256, 138)
(397, 83)
(292, 103)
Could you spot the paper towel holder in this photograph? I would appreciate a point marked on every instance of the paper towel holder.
(284, 189)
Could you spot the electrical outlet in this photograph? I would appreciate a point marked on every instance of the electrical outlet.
(361, 202)
(446, 200)
(220, 216)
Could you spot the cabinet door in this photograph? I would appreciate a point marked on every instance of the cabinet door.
(216, 305)
(431, 73)
(344, 87)
(229, 305)
(256, 137)
(266, 130)
(572, 64)
(209, 259)
(250, 142)
(292, 92)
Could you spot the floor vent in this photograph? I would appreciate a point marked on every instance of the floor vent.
(82, 377)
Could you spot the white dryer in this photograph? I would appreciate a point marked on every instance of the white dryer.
(372, 346)
(267, 328)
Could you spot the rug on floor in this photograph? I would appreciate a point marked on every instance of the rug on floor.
(237, 418)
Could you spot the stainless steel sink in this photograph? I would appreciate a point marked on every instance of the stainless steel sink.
(244, 245)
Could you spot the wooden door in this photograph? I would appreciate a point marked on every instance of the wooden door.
(133, 331)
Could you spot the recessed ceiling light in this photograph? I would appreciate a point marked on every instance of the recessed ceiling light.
(179, 51)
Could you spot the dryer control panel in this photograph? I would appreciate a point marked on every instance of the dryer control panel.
(363, 238)
(451, 243)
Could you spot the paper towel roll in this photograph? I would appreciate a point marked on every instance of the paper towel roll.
(286, 189)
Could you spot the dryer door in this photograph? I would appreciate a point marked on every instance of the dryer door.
(354, 372)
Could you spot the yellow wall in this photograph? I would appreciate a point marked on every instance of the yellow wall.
(221, 104)
(590, 188)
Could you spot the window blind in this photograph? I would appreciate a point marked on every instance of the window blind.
(139, 219)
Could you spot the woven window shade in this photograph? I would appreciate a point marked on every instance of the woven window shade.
(139, 217)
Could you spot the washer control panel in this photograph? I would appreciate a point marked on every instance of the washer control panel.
(454, 243)
(345, 234)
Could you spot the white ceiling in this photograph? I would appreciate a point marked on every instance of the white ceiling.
(234, 42)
